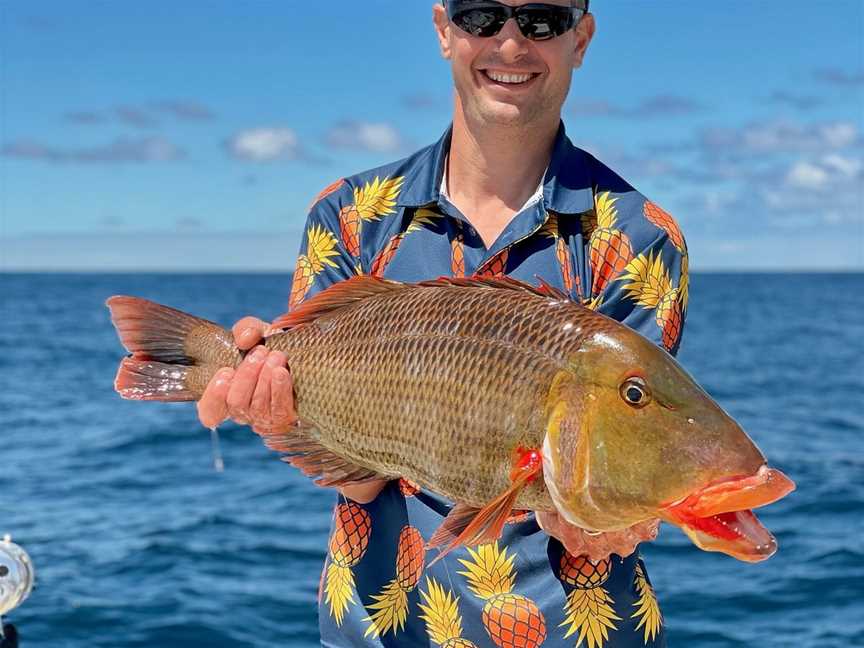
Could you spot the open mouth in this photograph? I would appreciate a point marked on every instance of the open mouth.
(509, 79)
(717, 517)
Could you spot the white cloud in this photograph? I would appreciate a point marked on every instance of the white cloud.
(779, 137)
(807, 176)
(846, 166)
(264, 144)
(122, 149)
(376, 137)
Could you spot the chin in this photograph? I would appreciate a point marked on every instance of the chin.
(506, 115)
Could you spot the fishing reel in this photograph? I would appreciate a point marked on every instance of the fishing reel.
(16, 583)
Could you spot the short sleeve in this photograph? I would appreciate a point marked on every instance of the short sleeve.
(323, 258)
(648, 289)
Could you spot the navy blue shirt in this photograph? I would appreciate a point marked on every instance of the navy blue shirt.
(586, 232)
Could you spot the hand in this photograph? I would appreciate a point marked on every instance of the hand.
(259, 392)
(597, 547)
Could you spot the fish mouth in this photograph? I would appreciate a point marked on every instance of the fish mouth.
(717, 517)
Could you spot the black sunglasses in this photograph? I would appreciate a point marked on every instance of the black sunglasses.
(536, 21)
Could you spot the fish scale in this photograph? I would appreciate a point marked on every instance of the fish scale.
(435, 384)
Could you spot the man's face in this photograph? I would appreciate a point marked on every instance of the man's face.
(507, 79)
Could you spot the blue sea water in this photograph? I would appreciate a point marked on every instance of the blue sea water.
(138, 541)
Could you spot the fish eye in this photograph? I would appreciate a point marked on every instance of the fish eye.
(635, 392)
(4, 571)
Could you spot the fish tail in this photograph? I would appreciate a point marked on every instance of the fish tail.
(174, 354)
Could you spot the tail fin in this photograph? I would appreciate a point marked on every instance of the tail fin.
(174, 354)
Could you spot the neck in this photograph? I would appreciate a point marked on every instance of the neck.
(496, 164)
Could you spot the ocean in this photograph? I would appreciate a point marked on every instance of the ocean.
(137, 541)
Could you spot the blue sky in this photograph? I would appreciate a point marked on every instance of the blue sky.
(193, 135)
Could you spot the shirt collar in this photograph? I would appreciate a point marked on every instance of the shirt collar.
(566, 187)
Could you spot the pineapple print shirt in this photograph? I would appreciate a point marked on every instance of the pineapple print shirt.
(589, 234)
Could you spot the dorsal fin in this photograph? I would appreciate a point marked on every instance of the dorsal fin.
(501, 283)
(335, 297)
(362, 287)
(549, 290)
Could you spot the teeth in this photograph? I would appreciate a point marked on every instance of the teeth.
(508, 78)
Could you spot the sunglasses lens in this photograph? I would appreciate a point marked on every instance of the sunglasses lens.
(543, 23)
(480, 21)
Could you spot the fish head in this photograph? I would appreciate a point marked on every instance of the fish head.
(643, 440)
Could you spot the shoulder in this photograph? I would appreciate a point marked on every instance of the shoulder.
(619, 206)
(372, 185)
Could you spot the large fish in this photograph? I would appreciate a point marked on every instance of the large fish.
(493, 393)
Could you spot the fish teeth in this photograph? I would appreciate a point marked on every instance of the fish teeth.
(508, 78)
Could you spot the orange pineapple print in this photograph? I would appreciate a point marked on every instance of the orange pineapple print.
(589, 607)
(457, 252)
(391, 605)
(664, 221)
(648, 611)
(320, 246)
(347, 546)
(512, 620)
(610, 247)
(495, 266)
(651, 287)
(326, 191)
(421, 218)
(552, 229)
(441, 614)
(372, 201)
(408, 488)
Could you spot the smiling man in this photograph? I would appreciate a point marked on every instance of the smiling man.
(503, 192)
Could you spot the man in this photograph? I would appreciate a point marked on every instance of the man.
(503, 192)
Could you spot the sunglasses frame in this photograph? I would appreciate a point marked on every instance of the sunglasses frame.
(513, 12)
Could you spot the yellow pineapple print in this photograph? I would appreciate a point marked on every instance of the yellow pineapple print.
(391, 605)
(348, 545)
(651, 286)
(320, 246)
(589, 607)
(372, 201)
(441, 614)
(511, 620)
(648, 611)
(611, 250)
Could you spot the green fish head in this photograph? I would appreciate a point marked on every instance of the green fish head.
(641, 437)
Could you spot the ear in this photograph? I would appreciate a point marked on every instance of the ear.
(584, 34)
(442, 29)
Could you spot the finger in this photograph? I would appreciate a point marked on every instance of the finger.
(212, 407)
(259, 408)
(248, 332)
(243, 385)
(282, 400)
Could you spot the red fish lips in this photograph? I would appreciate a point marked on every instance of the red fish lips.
(717, 517)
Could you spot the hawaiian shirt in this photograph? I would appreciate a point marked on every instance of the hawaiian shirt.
(588, 233)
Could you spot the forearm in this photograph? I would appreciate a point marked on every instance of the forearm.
(365, 492)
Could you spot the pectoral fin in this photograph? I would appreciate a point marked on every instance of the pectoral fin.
(469, 525)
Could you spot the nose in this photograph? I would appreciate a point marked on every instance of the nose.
(512, 45)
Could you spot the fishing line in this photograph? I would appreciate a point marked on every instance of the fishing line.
(218, 462)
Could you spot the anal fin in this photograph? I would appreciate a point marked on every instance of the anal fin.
(314, 460)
